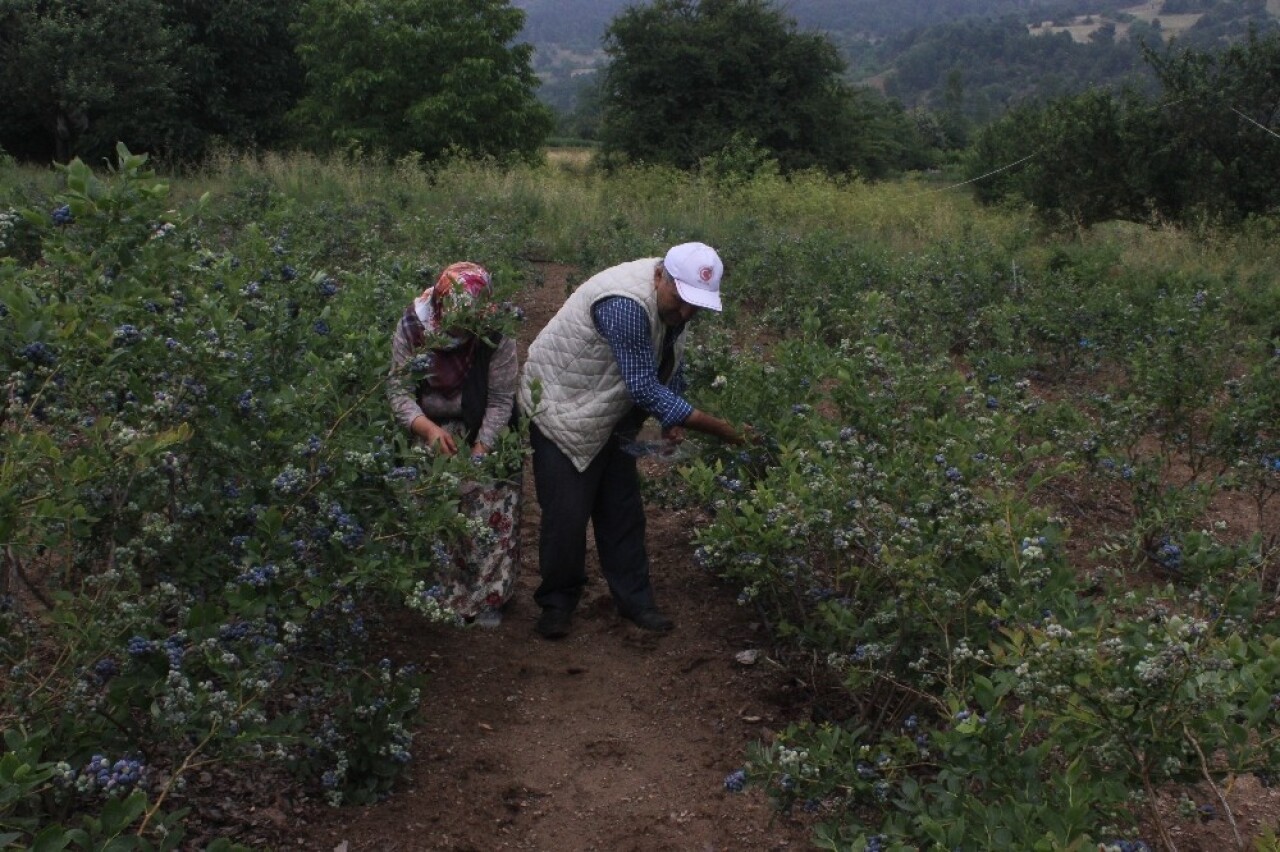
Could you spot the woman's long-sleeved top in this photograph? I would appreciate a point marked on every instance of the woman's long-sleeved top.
(409, 398)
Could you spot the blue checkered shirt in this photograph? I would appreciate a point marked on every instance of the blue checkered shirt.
(624, 324)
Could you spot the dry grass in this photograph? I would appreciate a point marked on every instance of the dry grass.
(1170, 25)
(568, 196)
(576, 160)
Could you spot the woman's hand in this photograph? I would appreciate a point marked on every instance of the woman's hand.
(435, 435)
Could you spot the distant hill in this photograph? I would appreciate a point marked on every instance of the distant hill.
(995, 52)
(578, 25)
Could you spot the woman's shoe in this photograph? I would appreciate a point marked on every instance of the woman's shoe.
(488, 618)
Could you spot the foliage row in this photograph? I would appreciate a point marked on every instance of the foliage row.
(205, 510)
(992, 675)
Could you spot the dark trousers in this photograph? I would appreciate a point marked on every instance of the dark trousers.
(607, 493)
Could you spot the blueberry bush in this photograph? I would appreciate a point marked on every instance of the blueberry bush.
(908, 528)
(205, 509)
(1011, 513)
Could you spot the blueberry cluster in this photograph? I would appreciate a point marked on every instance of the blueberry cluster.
(347, 531)
(233, 631)
(101, 775)
(175, 648)
(127, 335)
(62, 215)
(1169, 555)
(259, 575)
(291, 480)
(733, 485)
(39, 353)
(106, 668)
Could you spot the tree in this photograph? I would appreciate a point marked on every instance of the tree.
(241, 73)
(1224, 112)
(685, 76)
(1080, 160)
(425, 76)
(77, 76)
(163, 76)
(1207, 146)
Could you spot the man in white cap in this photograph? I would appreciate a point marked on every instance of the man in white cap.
(608, 359)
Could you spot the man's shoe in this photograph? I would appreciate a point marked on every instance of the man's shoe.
(651, 619)
(553, 623)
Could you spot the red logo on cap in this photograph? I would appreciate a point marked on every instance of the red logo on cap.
(705, 274)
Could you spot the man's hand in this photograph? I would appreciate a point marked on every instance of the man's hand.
(700, 421)
(675, 434)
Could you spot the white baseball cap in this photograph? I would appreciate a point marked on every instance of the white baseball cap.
(696, 269)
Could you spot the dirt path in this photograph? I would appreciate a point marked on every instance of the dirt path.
(611, 739)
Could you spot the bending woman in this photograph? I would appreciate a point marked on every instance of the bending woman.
(454, 389)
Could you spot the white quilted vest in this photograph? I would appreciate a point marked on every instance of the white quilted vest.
(583, 396)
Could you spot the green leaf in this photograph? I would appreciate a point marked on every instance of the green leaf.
(52, 839)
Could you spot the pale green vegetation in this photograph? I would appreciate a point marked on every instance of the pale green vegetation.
(901, 216)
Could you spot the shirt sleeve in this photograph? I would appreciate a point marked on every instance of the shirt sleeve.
(502, 392)
(401, 386)
(624, 324)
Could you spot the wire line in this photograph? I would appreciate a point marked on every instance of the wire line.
(1251, 121)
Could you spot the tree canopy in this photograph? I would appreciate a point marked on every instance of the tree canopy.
(174, 77)
(76, 76)
(423, 76)
(1206, 147)
(685, 77)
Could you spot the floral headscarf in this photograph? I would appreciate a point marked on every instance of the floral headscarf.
(460, 288)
